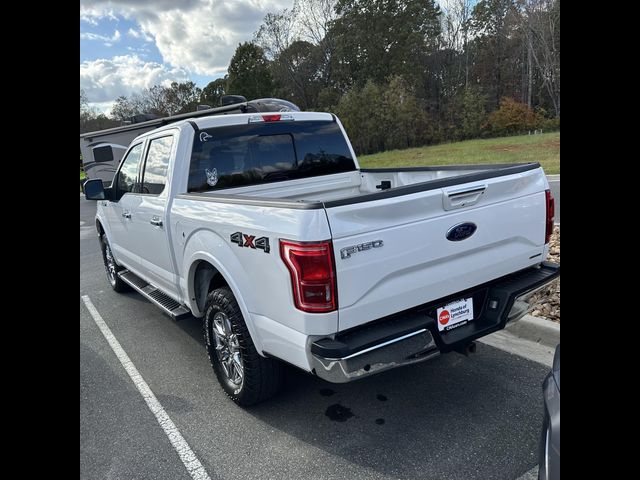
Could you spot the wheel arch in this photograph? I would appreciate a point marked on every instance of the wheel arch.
(204, 274)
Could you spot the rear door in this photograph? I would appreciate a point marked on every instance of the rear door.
(150, 235)
(402, 251)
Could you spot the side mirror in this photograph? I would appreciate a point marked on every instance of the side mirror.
(94, 190)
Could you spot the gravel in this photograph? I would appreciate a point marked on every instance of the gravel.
(546, 302)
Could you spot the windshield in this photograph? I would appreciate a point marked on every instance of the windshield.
(240, 155)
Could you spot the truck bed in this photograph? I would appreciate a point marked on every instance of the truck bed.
(367, 184)
(412, 218)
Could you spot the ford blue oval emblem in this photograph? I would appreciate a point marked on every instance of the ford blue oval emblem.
(461, 231)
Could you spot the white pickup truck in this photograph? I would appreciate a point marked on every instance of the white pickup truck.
(265, 226)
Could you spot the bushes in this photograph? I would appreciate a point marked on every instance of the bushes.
(384, 118)
(391, 117)
(513, 118)
(549, 124)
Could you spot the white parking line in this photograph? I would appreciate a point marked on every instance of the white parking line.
(189, 459)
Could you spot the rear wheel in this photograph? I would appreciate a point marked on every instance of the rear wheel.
(111, 267)
(246, 377)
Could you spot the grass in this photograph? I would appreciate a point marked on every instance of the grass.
(82, 175)
(543, 148)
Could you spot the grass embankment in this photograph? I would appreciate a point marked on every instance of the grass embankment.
(543, 148)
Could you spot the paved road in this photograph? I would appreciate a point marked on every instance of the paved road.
(555, 189)
(451, 418)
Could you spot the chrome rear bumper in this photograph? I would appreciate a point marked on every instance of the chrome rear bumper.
(413, 336)
(411, 348)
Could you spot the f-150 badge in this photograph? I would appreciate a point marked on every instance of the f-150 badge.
(346, 252)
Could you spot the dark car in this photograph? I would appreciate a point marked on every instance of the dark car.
(549, 466)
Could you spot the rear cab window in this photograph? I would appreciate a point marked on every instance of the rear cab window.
(251, 154)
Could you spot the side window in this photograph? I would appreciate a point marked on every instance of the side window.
(127, 180)
(156, 165)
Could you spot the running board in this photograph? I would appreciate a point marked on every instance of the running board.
(156, 296)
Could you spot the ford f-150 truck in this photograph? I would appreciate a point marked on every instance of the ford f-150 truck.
(265, 226)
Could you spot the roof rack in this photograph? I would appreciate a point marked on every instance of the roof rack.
(240, 105)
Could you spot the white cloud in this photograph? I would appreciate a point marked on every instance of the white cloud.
(140, 34)
(104, 80)
(108, 41)
(102, 107)
(199, 35)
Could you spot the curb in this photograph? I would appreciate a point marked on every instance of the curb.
(554, 177)
(536, 329)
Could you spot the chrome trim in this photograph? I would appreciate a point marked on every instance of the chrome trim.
(521, 305)
(375, 347)
(407, 349)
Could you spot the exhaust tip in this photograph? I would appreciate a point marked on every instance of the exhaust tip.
(468, 349)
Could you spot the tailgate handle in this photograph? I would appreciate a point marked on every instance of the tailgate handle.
(462, 198)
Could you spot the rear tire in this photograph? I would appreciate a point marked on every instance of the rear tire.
(111, 267)
(246, 377)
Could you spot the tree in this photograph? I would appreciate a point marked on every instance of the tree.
(498, 48)
(473, 113)
(181, 97)
(213, 92)
(90, 119)
(296, 72)
(297, 44)
(376, 39)
(384, 117)
(315, 18)
(360, 111)
(159, 100)
(123, 109)
(249, 72)
(85, 111)
(405, 121)
(543, 34)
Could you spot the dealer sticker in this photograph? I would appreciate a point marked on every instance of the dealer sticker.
(455, 314)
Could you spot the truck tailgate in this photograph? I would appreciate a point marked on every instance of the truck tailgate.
(393, 254)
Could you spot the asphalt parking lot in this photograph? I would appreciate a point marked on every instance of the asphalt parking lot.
(455, 417)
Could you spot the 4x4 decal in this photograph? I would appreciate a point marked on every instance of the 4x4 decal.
(244, 240)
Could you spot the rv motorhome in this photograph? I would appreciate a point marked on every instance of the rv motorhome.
(102, 150)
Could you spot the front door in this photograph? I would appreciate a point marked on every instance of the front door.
(126, 197)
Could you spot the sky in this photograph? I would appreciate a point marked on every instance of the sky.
(129, 45)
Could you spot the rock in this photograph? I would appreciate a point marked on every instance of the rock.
(546, 303)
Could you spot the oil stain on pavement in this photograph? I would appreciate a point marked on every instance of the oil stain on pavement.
(338, 413)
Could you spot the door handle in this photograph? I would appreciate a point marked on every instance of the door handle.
(126, 214)
(156, 221)
(464, 197)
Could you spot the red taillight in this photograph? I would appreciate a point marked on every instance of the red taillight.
(271, 118)
(550, 213)
(312, 272)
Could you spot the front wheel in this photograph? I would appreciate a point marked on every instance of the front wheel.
(111, 267)
(246, 377)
